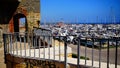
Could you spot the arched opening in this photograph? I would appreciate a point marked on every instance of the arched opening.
(20, 23)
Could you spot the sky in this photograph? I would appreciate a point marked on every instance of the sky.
(22, 22)
(80, 11)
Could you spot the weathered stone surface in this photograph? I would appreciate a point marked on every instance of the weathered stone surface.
(32, 5)
(30, 9)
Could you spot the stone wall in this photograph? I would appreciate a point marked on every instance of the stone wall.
(3, 29)
(29, 8)
(32, 20)
(33, 12)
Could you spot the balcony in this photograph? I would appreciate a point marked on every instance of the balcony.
(42, 49)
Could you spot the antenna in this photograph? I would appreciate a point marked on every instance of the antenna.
(44, 23)
(112, 16)
(114, 19)
(97, 19)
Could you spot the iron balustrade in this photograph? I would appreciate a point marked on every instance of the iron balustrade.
(35, 46)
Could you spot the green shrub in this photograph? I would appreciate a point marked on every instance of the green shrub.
(81, 57)
(74, 55)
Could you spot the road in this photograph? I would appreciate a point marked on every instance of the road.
(96, 53)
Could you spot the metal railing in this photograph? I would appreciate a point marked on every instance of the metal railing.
(44, 47)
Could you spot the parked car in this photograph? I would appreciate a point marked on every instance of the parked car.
(83, 42)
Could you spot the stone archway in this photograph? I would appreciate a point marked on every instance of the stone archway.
(16, 22)
(21, 12)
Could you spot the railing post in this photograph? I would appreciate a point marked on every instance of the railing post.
(16, 43)
(85, 51)
(44, 46)
(108, 54)
(116, 51)
(100, 52)
(20, 45)
(93, 40)
(39, 45)
(54, 49)
(65, 52)
(5, 47)
(11, 44)
(78, 52)
(59, 49)
(25, 45)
